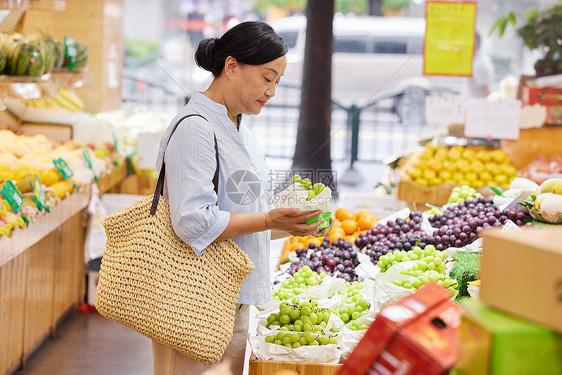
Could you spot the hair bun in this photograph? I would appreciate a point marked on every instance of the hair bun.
(204, 56)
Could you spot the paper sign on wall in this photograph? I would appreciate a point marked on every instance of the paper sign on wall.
(449, 37)
(492, 119)
(444, 109)
(147, 146)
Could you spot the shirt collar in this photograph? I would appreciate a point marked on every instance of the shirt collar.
(214, 107)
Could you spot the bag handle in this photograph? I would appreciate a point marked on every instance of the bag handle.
(160, 183)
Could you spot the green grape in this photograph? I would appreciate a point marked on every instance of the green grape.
(307, 327)
(294, 337)
(302, 341)
(278, 342)
(295, 314)
(324, 340)
(333, 341)
(309, 336)
(313, 318)
(296, 345)
(270, 339)
(314, 343)
(285, 319)
(297, 178)
(306, 311)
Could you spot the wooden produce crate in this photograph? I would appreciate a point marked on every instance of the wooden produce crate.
(417, 196)
(110, 180)
(258, 367)
(138, 185)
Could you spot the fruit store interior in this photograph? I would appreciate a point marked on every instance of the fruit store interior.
(436, 205)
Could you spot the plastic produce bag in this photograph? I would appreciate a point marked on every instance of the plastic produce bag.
(295, 196)
(95, 238)
(312, 354)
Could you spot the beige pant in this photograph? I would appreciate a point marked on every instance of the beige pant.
(167, 361)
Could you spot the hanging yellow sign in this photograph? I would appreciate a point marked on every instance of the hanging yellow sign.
(449, 37)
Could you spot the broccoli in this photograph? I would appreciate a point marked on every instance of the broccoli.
(466, 269)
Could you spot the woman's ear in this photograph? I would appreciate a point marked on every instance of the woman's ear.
(230, 67)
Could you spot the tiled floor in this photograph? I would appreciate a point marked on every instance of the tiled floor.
(89, 344)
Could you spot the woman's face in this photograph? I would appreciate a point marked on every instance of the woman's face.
(256, 84)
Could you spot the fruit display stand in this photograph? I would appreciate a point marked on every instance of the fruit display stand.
(41, 278)
(258, 367)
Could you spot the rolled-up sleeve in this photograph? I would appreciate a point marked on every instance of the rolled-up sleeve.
(190, 168)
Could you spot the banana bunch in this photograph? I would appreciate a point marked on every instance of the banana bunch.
(65, 99)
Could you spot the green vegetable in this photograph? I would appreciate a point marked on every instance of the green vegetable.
(465, 270)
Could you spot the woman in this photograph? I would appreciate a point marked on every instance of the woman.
(247, 63)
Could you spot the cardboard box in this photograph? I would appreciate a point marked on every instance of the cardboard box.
(542, 95)
(521, 274)
(493, 343)
(416, 335)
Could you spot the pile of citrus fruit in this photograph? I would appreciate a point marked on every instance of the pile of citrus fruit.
(347, 224)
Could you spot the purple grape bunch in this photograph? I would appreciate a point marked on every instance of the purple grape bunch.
(338, 260)
(399, 234)
(460, 224)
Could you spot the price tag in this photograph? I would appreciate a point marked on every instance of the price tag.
(492, 119)
(63, 168)
(86, 154)
(115, 143)
(70, 51)
(11, 194)
(39, 194)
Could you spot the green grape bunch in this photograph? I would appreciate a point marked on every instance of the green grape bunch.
(430, 267)
(354, 305)
(294, 340)
(460, 194)
(313, 190)
(300, 316)
(302, 280)
(301, 323)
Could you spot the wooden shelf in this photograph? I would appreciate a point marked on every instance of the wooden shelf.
(258, 367)
(22, 239)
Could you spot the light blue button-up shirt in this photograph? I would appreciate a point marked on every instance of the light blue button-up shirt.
(198, 215)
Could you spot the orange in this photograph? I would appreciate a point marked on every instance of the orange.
(336, 233)
(349, 226)
(358, 214)
(344, 214)
(350, 238)
(336, 223)
(366, 222)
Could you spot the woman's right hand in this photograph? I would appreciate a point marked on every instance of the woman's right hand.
(291, 220)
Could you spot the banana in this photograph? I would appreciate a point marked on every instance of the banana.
(72, 98)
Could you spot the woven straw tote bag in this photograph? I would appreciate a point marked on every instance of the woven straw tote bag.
(152, 282)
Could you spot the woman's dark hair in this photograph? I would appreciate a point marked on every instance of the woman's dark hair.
(252, 43)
